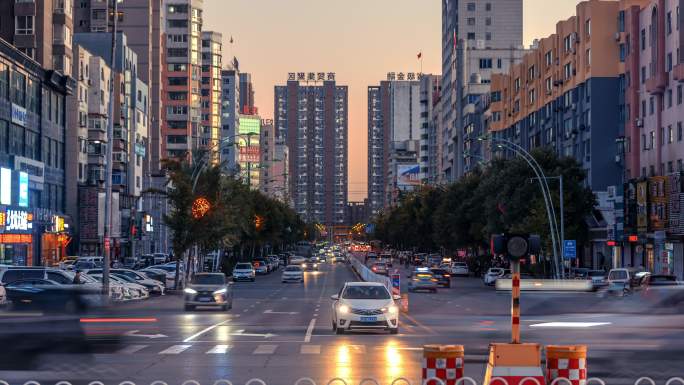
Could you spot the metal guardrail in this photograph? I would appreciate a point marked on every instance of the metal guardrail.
(366, 381)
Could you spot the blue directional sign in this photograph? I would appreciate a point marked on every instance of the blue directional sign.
(570, 249)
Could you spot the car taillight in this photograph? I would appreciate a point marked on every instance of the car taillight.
(434, 280)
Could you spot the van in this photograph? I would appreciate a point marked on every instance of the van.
(97, 261)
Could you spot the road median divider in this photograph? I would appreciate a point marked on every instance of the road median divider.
(505, 284)
(365, 274)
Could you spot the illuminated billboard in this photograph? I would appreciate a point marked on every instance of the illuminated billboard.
(5, 186)
(249, 125)
(408, 176)
(23, 189)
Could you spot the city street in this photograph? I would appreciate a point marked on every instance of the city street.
(282, 332)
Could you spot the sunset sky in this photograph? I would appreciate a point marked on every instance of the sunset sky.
(359, 40)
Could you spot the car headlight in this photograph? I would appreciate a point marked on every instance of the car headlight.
(344, 309)
(315, 265)
(221, 291)
(303, 264)
(392, 309)
(189, 290)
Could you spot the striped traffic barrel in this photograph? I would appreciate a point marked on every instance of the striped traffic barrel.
(443, 362)
(567, 362)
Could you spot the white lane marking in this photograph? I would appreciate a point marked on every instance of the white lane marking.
(569, 324)
(219, 349)
(310, 349)
(361, 349)
(210, 328)
(309, 330)
(245, 311)
(269, 311)
(130, 349)
(265, 349)
(175, 349)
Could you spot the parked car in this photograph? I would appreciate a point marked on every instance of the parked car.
(364, 305)
(170, 269)
(97, 261)
(209, 289)
(117, 291)
(293, 273)
(244, 271)
(492, 275)
(443, 277)
(153, 286)
(156, 274)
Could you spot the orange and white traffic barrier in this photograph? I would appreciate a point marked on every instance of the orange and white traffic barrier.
(443, 363)
(567, 362)
(514, 364)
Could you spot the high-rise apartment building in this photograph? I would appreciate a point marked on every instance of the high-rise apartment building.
(274, 157)
(430, 141)
(230, 111)
(393, 120)
(181, 77)
(41, 29)
(211, 92)
(479, 38)
(312, 116)
(246, 94)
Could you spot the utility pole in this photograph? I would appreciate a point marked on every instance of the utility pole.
(108, 158)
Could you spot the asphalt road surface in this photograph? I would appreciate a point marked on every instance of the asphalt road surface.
(282, 332)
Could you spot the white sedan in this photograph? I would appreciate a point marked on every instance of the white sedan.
(459, 268)
(364, 305)
(293, 273)
(492, 275)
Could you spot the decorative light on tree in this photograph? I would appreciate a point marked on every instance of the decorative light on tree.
(200, 207)
(258, 222)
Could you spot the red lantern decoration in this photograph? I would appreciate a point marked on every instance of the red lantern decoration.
(200, 207)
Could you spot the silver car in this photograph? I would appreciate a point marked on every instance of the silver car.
(209, 289)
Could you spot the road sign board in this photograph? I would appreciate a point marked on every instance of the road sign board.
(396, 283)
(570, 249)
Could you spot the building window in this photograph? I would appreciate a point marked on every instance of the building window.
(668, 62)
(679, 94)
(567, 70)
(517, 84)
(668, 23)
(488, 21)
(669, 98)
(670, 134)
(488, 36)
(548, 58)
(621, 21)
(485, 63)
(643, 39)
(499, 63)
(567, 43)
(643, 108)
(18, 88)
(652, 139)
(588, 53)
(549, 84)
(488, 7)
(680, 167)
(471, 35)
(679, 131)
(651, 105)
(643, 75)
(23, 25)
(623, 52)
(530, 96)
(587, 28)
(471, 7)
(471, 21)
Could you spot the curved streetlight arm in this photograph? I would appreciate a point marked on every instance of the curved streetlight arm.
(543, 185)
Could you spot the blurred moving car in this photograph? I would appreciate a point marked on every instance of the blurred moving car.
(244, 271)
(338, 258)
(380, 268)
(50, 296)
(364, 305)
(492, 275)
(117, 291)
(293, 273)
(443, 277)
(209, 289)
(261, 266)
(460, 269)
(597, 277)
(662, 280)
(422, 279)
(297, 260)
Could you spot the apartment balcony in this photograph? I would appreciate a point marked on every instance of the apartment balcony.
(656, 84)
(678, 72)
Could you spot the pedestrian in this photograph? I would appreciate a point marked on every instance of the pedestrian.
(77, 278)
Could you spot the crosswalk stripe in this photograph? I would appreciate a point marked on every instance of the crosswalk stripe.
(310, 349)
(175, 349)
(130, 349)
(219, 349)
(265, 349)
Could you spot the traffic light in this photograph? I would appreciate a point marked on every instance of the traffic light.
(515, 246)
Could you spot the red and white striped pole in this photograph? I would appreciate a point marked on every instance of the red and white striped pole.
(515, 302)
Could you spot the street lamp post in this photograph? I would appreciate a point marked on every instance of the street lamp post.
(108, 165)
(539, 172)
